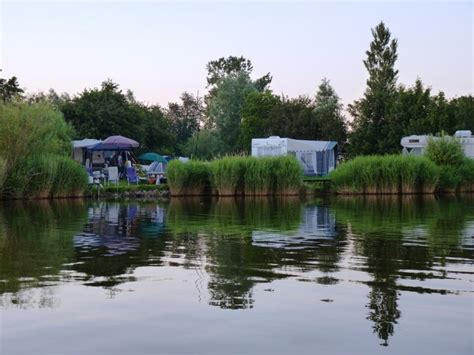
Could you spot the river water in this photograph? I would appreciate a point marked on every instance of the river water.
(192, 276)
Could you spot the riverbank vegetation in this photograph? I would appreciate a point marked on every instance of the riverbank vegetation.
(443, 169)
(35, 144)
(236, 176)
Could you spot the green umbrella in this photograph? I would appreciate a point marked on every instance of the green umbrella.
(152, 157)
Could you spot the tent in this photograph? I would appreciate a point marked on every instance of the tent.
(316, 157)
(152, 157)
(79, 148)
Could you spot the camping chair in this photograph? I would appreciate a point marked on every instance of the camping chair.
(113, 174)
(132, 176)
(90, 176)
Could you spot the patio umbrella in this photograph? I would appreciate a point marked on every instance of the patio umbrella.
(121, 141)
(108, 147)
(152, 157)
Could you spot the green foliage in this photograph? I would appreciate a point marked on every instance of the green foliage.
(259, 115)
(10, 89)
(236, 175)
(328, 111)
(390, 174)
(231, 67)
(445, 151)
(99, 113)
(34, 144)
(228, 175)
(27, 130)
(3, 171)
(225, 109)
(70, 178)
(190, 178)
(371, 113)
(185, 119)
(124, 187)
(204, 144)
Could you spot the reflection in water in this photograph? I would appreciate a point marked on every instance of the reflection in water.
(392, 245)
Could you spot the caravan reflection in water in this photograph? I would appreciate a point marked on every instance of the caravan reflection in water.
(319, 223)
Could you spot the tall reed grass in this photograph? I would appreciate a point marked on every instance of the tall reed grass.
(390, 174)
(192, 178)
(236, 175)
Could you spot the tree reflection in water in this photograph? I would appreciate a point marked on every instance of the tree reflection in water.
(233, 245)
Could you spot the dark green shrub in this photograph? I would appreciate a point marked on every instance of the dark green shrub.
(445, 151)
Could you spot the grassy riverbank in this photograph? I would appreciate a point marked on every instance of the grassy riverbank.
(236, 176)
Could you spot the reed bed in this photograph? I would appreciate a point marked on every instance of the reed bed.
(45, 176)
(189, 179)
(228, 175)
(390, 174)
(236, 176)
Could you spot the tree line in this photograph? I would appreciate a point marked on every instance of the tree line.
(238, 107)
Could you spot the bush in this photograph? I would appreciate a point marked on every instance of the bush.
(34, 145)
(444, 151)
(449, 179)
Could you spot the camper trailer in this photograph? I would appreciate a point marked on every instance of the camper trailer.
(316, 157)
(416, 145)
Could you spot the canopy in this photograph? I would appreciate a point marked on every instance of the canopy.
(85, 143)
(121, 141)
(107, 147)
(152, 157)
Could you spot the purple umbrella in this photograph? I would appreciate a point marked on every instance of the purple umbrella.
(121, 142)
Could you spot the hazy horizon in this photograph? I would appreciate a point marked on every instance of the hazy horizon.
(160, 49)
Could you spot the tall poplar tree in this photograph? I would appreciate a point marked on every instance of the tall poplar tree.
(371, 114)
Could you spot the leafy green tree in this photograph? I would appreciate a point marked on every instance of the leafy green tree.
(225, 108)
(297, 119)
(10, 89)
(463, 110)
(185, 118)
(371, 114)
(106, 111)
(232, 67)
(328, 111)
(204, 144)
(259, 114)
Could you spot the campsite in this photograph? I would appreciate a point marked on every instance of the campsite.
(257, 177)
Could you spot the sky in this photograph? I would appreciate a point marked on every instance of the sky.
(159, 49)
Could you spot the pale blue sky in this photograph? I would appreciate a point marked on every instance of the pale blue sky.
(160, 49)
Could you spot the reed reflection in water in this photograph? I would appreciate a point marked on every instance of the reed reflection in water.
(393, 247)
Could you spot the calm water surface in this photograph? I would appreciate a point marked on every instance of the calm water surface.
(342, 276)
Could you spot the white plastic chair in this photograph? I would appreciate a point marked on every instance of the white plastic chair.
(113, 174)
